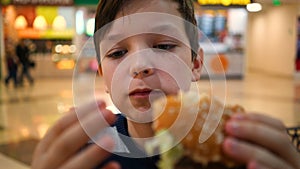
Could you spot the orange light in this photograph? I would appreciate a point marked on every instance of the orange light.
(219, 63)
(65, 64)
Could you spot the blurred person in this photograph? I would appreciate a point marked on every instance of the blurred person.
(298, 55)
(23, 54)
(12, 67)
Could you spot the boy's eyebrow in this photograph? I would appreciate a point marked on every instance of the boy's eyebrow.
(163, 27)
(114, 37)
(157, 29)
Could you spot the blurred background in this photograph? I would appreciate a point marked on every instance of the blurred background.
(254, 43)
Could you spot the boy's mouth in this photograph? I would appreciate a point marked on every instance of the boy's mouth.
(140, 93)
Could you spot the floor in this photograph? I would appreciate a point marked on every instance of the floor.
(26, 113)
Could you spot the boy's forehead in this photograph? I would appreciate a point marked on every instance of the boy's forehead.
(136, 16)
(145, 23)
(138, 6)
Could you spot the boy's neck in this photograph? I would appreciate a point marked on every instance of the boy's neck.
(140, 130)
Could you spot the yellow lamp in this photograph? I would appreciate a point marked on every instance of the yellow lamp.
(59, 23)
(226, 2)
(40, 23)
(20, 22)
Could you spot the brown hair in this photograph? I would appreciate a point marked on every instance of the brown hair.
(108, 9)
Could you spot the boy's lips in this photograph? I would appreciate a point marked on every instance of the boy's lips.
(140, 93)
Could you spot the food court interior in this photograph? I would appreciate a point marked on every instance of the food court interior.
(252, 56)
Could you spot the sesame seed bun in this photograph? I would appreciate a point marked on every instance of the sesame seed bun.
(207, 116)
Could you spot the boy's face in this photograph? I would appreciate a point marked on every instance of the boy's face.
(145, 56)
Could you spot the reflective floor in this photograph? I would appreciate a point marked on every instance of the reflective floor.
(26, 113)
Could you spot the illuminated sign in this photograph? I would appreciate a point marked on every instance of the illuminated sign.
(5, 2)
(276, 2)
(38, 2)
(86, 2)
(224, 2)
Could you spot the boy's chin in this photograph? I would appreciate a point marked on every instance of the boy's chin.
(140, 115)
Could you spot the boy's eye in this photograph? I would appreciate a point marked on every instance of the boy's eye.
(164, 46)
(117, 54)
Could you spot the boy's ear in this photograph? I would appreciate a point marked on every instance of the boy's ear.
(197, 65)
(100, 74)
(99, 70)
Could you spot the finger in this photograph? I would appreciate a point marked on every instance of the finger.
(261, 134)
(62, 124)
(82, 111)
(76, 136)
(246, 153)
(273, 122)
(92, 156)
(53, 133)
(56, 130)
(256, 165)
(258, 133)
(112, 165)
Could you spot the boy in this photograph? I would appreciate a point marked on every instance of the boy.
(137, 60)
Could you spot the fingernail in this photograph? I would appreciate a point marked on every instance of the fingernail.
(254, 165)
(101, 104)
(72, 108)
(232, 127)
(239, 116)
(109, 117)
(232, 144)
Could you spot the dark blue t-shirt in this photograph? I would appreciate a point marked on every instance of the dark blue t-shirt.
(128, 160)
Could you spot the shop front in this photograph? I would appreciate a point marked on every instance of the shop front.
(53, 30)
(44, 26)
(222, 26)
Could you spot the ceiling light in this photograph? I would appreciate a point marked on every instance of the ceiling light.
(254, 7)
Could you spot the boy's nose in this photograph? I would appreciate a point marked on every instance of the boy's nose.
(142, 73)
(141, 63)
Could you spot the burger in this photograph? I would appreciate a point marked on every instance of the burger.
(189, 131)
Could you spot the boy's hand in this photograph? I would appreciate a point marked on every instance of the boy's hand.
(60, 147)
(260, 142)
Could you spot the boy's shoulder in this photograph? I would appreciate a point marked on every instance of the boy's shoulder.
(127, 149)
(121, 125)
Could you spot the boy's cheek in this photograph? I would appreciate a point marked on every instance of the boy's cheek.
(170, 85)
